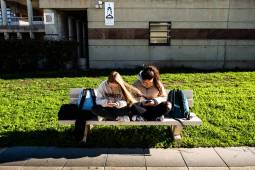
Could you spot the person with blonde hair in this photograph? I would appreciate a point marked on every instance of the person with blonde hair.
(114, 99)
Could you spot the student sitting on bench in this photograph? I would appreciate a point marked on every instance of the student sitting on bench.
(114, 99)
(155, 97)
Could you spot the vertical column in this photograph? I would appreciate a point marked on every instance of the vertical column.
(30, 17)
(84, 54)
(70, 28)
(224, 65)
(61, 25)
(83, 40)
(81, 60)
(4, 13)
(65, 27)
(86, 42)
(4, 17)
(19, 35)
(78, 34)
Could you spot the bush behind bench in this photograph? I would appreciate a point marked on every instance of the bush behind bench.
(31, 55)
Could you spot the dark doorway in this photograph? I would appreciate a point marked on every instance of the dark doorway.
(80, 35)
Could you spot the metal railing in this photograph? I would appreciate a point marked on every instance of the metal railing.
(23, 21)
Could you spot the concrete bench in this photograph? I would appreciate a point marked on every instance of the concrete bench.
(176, 126)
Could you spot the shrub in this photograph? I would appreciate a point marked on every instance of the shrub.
(31, 55)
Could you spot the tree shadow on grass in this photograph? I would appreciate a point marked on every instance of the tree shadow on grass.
(102, 72)
(50, 137)
(100, 136)
(130, 136)
(67, 73)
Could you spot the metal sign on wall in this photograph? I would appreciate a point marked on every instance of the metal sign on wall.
(109, 13)
(48, 18)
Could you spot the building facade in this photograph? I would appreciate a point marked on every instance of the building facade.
(204, 34)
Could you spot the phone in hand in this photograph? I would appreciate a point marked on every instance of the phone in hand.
(148, 101)
(112, 104)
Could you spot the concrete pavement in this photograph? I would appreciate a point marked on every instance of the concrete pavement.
(53, 158)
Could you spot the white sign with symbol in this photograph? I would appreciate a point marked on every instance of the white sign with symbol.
(48, 18)
(109, 13)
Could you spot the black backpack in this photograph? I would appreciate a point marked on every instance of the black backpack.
(180, 108)
(68, 112)
(74, 111)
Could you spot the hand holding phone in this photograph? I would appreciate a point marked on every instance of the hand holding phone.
(112, 104)
(149, 103)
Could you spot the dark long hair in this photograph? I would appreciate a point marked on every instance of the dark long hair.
(151, 72)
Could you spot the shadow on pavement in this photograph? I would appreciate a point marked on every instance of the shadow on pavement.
(100, 137)
(17, 154)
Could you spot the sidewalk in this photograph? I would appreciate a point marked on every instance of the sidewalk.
(52, 158)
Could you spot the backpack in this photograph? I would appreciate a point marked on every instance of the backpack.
(68, 112)
(180, 107)
(87, 99)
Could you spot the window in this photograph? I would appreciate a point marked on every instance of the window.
(159, 33)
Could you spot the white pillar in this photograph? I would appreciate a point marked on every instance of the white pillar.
(30, 17)
(19, 35)
(4, 17)
(4, 13)
(70, 28)
(6, 35)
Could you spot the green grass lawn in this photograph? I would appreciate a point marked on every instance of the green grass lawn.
(225, 101)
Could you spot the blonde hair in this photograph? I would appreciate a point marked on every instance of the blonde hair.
(127, 89)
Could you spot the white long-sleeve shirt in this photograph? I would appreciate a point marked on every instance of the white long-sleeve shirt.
(104, 95)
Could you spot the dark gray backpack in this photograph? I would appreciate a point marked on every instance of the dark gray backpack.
(180, 107)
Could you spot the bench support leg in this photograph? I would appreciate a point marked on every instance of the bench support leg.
(176, 131)
(86, 132)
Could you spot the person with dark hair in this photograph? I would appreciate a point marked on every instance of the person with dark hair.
(114, 99)
(154, 98)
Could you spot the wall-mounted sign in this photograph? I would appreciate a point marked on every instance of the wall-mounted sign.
(109, 13)
(48, 18)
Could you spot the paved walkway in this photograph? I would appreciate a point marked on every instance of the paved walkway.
(52, 158)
